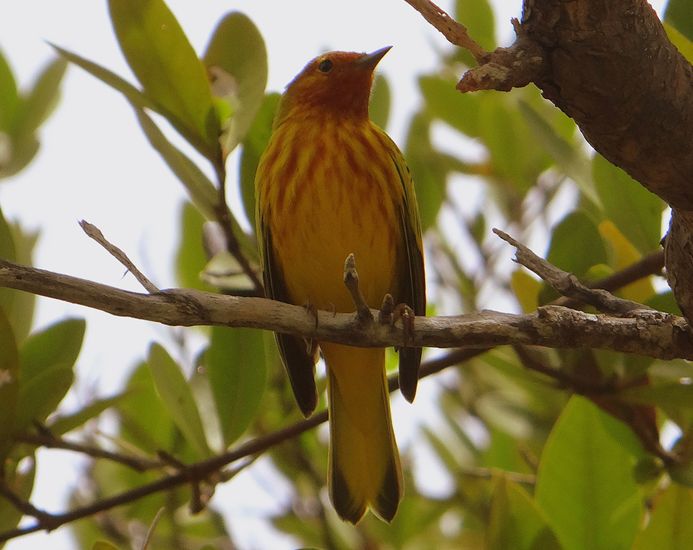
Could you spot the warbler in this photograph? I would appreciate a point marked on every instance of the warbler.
(331, 183)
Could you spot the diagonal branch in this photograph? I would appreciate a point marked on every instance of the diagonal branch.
(455, 32)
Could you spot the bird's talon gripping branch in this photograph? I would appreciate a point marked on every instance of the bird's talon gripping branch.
(351, 280)
(386, 310)
(406, 314)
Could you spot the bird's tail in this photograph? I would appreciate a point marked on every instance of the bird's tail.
(364, 461)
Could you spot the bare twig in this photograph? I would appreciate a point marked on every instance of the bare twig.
(351, 281)
(455, 32)
(49, 440)
(95, 233)
(646, 266)
(224, 218)
(568, 284)
(203, 470)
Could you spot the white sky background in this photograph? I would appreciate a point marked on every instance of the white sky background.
(95, 164)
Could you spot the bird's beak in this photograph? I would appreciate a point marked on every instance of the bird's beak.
(370, 60)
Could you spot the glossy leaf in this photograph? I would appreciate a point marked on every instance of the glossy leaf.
(237, 372)
(9, 383)
(633, 209)
(175, 393)
(200, 189)
(166, 65)
(670, 524)
(236, 56)
(379, 106)
(516, 523)
(585, 484)
(254, 145)
(678, 15)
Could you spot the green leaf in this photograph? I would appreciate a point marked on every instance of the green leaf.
(42, 98)
(47, 359)
(103, 545)
(166, 65)
(510, 142)
(200, 190)
(23, 303)
(478, 17)
(585, 483)
(254, 145)
(9, 383)
(237, 59)
(678, 15)
(58, 344)
(237, 373)
(175, 393)
(678, 39)
(144, 419)
(132, 94)
(516, 522)
(670, 524)
(526, 289)
(634, 210)
(9, 96)
(21, 483)
(443, 101)
(428, 171)
(191, 257)
(576, 244)
(569, 157)
(661, 395)
(379, 107)
(66, 423)
(40, 394)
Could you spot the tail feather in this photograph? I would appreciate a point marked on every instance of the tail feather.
(364, 461)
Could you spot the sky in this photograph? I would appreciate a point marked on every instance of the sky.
(95, 164)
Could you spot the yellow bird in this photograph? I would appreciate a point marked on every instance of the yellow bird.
(331, 183)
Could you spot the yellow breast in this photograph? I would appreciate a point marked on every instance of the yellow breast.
(324, 191)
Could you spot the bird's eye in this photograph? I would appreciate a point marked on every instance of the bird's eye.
(325, 66)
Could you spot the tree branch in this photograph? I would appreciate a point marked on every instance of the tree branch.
(657, 335)
(455, 32)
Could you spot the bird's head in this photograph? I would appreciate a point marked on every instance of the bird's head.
(337, 83)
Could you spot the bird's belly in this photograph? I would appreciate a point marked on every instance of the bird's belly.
(323, 227)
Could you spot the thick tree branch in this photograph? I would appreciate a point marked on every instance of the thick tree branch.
(656, 335)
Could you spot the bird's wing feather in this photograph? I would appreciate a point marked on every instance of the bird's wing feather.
(413, 282)
(297, 359)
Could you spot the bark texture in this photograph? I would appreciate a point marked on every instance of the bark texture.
(610, 66)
